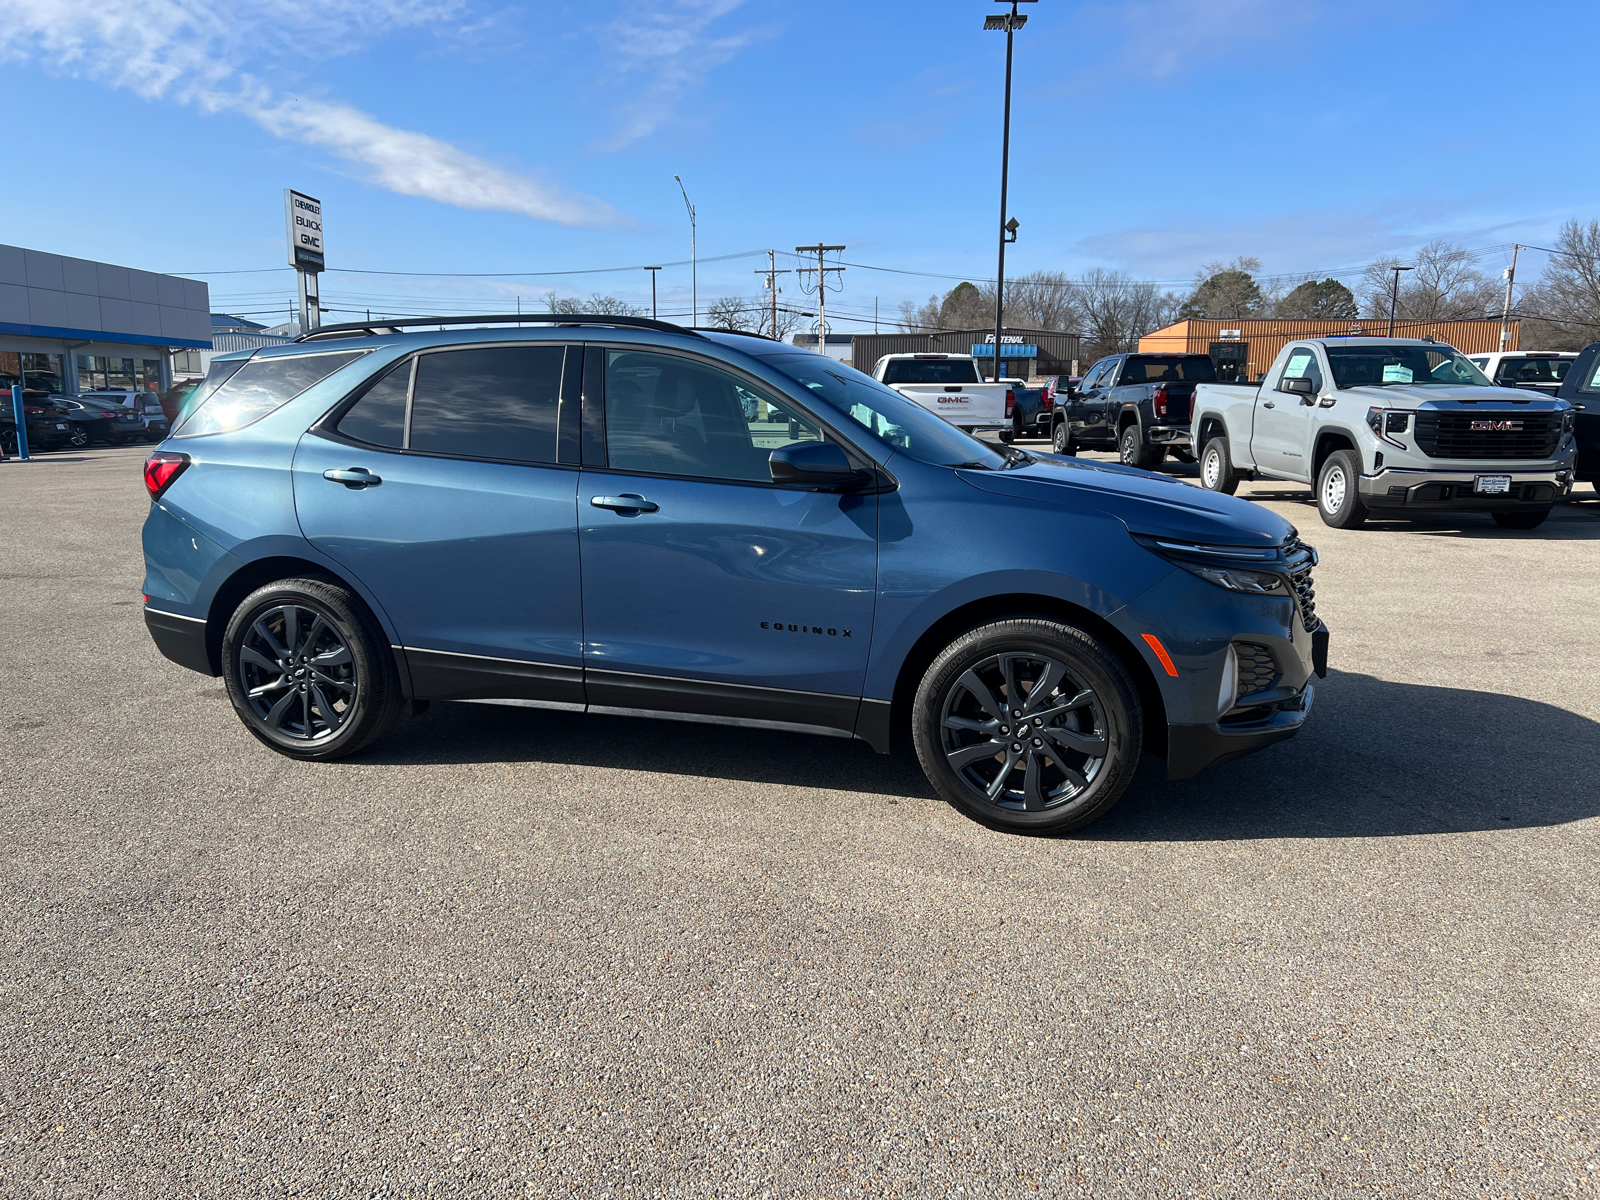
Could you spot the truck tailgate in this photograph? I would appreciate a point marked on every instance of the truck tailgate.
(969, 404)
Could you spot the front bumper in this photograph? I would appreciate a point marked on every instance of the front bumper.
(1192, 748)
(1425, 488)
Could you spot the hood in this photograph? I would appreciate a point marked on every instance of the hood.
(1400, 395)
(1144, 502)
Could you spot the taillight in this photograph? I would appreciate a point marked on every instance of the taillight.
(1047, 400)
(1158, 401)
(160, 469)
(1011, 402)
(110, 416)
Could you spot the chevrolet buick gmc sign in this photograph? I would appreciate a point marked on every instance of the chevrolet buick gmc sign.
(304, 215)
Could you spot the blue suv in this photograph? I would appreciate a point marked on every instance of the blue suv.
(616, 515)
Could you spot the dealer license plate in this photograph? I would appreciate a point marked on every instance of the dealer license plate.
(1492, 485)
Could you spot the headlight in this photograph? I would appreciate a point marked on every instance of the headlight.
(1225, 566)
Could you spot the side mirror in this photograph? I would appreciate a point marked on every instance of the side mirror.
(820, 465)
(1297, 387)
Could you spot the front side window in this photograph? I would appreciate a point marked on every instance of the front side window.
(499, 402)
(667, 415)
(1302, 364)
(1092, 380)
(1592, 385)
(257, 387)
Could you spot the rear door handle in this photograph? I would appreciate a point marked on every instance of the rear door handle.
(354, 478)
(627, 502)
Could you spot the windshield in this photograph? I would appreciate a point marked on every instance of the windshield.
(1169, 368)
(1402, 363)
(1532, 370)
(886, 414)
(930, 370)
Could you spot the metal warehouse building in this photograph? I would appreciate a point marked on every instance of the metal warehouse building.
(70, 325)
(1244, 349)
(1024, 353)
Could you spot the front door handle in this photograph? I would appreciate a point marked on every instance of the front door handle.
(354, 478)
(1268, 404)
(628, 502)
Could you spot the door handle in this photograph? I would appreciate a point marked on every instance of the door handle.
(354, 478)
(627, 502)
(1268, 404)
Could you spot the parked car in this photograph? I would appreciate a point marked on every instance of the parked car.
(1030, 413)
(580, 517)
(1536, 370)
(147, 405)
(1580, 387)
(1135, 404)
(92, 421)
(952, 386)
(1389, 423)
(46, 429)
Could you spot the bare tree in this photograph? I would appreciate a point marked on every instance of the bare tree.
(596, 305)
(1117, 311)
(1562, 311)
(919, 318)
(735, 314)
(1045, 300)
(1444, 284)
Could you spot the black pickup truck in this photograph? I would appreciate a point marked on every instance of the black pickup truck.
(1136, 404)
(1581, 389)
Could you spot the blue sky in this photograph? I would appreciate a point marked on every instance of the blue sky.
(458, 136)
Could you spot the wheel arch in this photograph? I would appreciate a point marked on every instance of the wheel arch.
(257, 573)
(1329, 440)
(1129, 416)
(1024, 604)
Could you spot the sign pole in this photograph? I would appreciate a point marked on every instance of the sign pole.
(22, 421)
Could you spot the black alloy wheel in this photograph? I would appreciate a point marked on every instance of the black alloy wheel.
(1134, 453)
(78, 437)
(8, 441)
(1028, 724)
(308, 671)
(1061, 439)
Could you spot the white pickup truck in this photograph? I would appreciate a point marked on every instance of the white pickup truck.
(1390, 424)
(952, 386)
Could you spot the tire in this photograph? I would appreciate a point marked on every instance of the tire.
(1134, 453)
(356, 670)
(8, 441)
(1338, 498)
(1216, 467)
(1521, 520)
(1056, 778)
(78, 438)
(1061, 439)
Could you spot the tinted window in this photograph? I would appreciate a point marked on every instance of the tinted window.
(496, 403)
(673, 416)
(1532, 370)
(1174, 368)
(258, 387)
(379, 417)
(930, 370)
(1593, 383)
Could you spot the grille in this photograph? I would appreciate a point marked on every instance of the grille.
(1300, 558)
(1451, 435)
(1258, 670)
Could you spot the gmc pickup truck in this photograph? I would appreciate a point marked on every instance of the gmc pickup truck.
(1580, 387)
(1137, 404)
(952, 386)
(1389, 424)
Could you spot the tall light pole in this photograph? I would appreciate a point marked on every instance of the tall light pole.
(1010, 22)
(653, 271)
(1505, 310)
(1394, 295)
(694, 266)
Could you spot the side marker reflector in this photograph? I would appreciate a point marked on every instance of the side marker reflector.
(1161, 653)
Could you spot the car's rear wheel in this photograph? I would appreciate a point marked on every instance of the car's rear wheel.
(1216, 468)
(1028, 724)
(1134, 453)
(309, 671)
(8, 441)
(1061, 439)
(1521, 520)
(1338, 499)
(78, 437)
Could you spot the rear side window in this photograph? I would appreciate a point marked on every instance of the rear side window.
(379, 417)
(1189, 368)
(496, 403)
(1532, 370)
(930, 370)
(258, 387)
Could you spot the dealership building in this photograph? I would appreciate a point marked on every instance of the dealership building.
(1024, 353)
(69, 325)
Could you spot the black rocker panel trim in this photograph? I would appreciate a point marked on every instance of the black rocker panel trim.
(441, 675)
(660, 693)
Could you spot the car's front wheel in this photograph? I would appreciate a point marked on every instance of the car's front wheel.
(78, 437)
(1216, 467)
(1338, 499)
(1061, 439)
(309, 671)
(1028, 723)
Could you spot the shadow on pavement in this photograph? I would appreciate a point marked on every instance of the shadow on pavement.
(1376, 759)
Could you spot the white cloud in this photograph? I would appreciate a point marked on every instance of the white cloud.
(669, 44)
(191, 51)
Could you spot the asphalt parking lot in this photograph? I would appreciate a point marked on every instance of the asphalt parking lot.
(508, 952)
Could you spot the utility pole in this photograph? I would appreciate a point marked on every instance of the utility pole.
(653, 271)
(1505, 311)
(772, 274)
(822, 270)
(1010, 22)
(694, 261)
(1394, 296)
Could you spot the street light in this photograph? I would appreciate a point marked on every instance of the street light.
(1394, 295)
(652, 271)
(1010, 22)
(694, 268)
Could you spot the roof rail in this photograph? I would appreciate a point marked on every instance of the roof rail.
(378, 328)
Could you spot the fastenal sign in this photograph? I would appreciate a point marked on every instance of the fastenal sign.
(304, 216)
